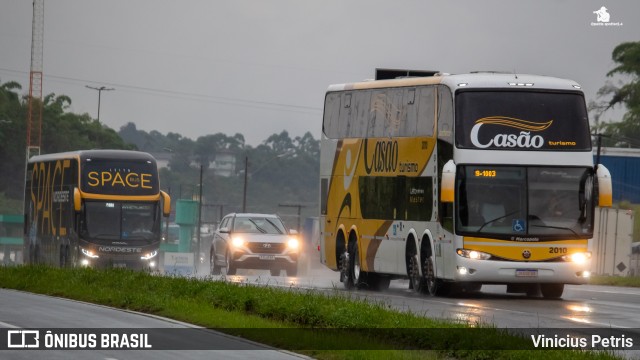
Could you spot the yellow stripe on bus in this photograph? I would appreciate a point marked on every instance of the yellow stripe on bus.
(526, 251)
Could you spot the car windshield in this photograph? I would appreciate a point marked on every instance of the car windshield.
(517, 202)
(258, 225)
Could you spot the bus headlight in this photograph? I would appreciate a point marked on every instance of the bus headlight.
(150, 255)
(473, 254)
(577, 258)
(237, 242)
(89, 253)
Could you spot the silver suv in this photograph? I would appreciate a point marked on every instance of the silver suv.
(254, 241)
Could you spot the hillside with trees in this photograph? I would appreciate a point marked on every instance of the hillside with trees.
(281, 170)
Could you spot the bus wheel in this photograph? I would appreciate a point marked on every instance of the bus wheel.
(552, 291)
(417, 281)
(213, 268)
(35, 254)
(430, 276)
(353, 269)
(64, 256)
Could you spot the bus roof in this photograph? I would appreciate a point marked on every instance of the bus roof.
(470, 80)
(95, 154)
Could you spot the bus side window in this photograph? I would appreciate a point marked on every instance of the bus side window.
(426, 112)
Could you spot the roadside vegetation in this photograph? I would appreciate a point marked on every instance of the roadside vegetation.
(333, 326)
(630, 281)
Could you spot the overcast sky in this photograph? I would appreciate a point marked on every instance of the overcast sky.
(198, 67)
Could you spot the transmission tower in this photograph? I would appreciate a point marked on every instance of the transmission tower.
(34, 115)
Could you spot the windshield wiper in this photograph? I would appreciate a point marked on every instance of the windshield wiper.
(556, 227)
(274, 226)
(496, 219)
(258, 227)
(105, 236)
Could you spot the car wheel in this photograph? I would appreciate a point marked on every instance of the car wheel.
(214, 269)
(231, 268)
(292, 270)
(552, 291)
(274, 272)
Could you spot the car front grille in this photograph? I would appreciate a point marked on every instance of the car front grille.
(266, 248)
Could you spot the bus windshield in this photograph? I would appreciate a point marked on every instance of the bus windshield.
(130, 222)
(524, 203)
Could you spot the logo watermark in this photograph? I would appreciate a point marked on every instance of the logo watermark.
(603, 18)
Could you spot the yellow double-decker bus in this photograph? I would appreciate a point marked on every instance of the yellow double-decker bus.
(94, 208)
(455, 181)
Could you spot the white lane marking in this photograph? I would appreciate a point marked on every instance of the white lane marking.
(7, 325)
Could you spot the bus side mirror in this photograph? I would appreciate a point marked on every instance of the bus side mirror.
(605, 192)
(77, 200)
(447, 185)
(166, 204)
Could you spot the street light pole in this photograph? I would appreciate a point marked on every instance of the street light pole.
(244, 192)
(100, 90)
(246, 172)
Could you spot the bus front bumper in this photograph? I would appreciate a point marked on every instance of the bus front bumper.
(508, 272)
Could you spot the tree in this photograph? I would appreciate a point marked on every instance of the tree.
(627, 131)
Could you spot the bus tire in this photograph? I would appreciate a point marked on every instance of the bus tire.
(417, 281)
(35, 254)
(354, 274)
(552, 291)
(433, 285)
(64, 256)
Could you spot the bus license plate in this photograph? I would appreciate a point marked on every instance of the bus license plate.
(267, 257)
(526, 273)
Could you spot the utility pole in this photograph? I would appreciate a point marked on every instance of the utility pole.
(199, 214)
(244, 192)
(34, 114)
(100, 90)
(299, 206)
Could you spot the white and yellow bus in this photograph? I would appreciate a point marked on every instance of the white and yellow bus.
(455, 181)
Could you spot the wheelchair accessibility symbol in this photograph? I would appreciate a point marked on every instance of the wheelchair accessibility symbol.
(518, 225)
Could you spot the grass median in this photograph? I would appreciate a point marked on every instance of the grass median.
(324, 326)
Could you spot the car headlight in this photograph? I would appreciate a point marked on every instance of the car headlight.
(293, 244)
(473, 254)
(88, 253)
(578, 258)
(237, 241)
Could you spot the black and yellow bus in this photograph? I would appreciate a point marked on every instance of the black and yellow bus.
(98, 208)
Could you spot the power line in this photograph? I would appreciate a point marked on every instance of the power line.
(184, 94)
